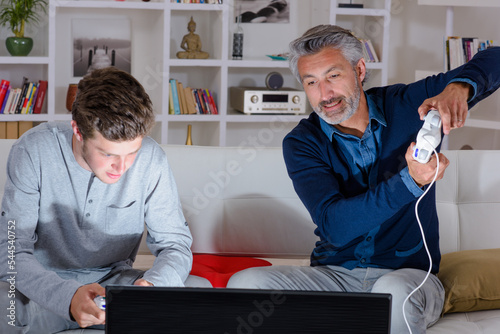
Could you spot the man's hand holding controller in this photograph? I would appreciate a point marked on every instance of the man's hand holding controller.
(428, 137)
(84, 309)
(422, 162)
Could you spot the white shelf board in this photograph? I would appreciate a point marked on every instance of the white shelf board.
(362, 11)
(195, 62)
(483, 124)
(469, 3)
(24, 117)
(194, 6)
(193, 118)
(24, 60)
(262, 118)
(262, 63)
(110, 4)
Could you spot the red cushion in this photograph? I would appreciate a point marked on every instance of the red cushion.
(218, 269)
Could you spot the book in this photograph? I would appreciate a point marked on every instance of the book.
(206, 96)
(371, 49)
(175, 97)
(40, 98)
(182, 98)
(204, 102)
(190, 103)
(4, 86)
(30, 100)
(15, 100)
(27, 97)
(3, 130)
(33, 99)
(455, 54)
(199, 103)
(20, 102)
(12, 130)
(211, 100)
(24, 126)
(6, 99)
(170, 100)
(197, 107)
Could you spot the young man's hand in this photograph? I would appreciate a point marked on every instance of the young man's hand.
(423, 174)
(142, 282)
(451, 104)
(83, 308)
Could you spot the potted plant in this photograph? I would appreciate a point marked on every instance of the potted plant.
(16, 14)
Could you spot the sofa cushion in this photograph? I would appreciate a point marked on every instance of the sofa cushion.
(470, 279)
(218, 269)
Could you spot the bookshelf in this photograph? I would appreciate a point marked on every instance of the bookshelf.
(483, 126)
(157, 28)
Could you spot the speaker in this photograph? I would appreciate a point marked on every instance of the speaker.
(274, 80)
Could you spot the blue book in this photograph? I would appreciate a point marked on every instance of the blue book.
(175, 97)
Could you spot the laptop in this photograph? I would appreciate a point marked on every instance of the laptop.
(135, 309)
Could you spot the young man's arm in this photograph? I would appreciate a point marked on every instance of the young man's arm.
(169, 237)
(20, 205)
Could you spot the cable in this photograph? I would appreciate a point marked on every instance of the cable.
(423, 238)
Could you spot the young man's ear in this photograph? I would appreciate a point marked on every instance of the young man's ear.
(76, 131)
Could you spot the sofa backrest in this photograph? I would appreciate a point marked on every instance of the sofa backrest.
(240, 201)
(468, 201)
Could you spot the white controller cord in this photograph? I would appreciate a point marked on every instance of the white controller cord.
(423, 238)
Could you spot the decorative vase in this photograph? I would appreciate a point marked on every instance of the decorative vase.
(19, 46)
(189, 140)
(70, 96)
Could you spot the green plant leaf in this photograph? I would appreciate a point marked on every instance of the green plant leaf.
(17, 13)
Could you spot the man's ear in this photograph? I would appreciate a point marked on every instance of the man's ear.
(76, 131)
(361, 70)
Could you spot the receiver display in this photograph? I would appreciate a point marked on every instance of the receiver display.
(274, 98)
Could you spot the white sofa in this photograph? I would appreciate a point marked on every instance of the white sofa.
(240, 201)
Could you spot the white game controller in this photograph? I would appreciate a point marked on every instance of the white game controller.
(100, 301)
(428, 137)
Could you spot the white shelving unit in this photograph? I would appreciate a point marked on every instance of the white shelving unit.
(377, 30)
(449, 31)
(156, 33)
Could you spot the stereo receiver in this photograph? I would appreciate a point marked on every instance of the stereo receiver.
(256, 100)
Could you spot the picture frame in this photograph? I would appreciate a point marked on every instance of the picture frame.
(100, 42)
(262, 11)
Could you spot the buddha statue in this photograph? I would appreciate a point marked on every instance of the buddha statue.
(191, 44)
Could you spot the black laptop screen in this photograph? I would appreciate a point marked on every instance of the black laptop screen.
(241, 311)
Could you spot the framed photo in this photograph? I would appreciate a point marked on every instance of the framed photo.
(99, 43)
(262, 11)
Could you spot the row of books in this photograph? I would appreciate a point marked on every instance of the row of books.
(27, 99)
(459, 50)
(14, 130)
(187, 100)
(369, 52)
(197, 1)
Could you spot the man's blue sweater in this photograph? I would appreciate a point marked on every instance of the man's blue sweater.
(374, 225)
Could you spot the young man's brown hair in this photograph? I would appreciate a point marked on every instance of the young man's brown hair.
(114, 103)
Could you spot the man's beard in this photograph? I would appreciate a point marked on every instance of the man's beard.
(351, 105)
